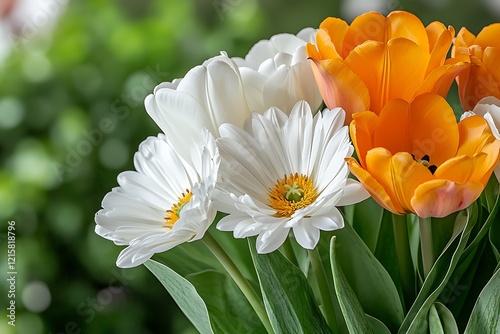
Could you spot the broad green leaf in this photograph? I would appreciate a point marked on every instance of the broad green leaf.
(441, 321)
(494, 232)
(225, 302)
(456, 292)
(184, 294)
(485, 317)
(386, 253)
(416, 320)
(288, 298)
(443, 229)
(366, 218)
(351, 308)
(368, 279)
(378, 326)
(435, 326)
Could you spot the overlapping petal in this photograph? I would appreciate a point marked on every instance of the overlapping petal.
(390, 57)
(489, 109)
(136, 213)
(276, 73)
(272, 150)
(482, 78)
(414, 154)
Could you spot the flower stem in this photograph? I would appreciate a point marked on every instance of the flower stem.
(289, 253)
(405, 264)
(426, 244)
(245, 287)
(324, 288)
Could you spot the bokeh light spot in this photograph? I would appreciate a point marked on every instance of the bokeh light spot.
(11, 112)
(36, 296)
(113, 153)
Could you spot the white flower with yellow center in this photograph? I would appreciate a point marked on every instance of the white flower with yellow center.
(281, 174)
(166, 202)
(276, 72)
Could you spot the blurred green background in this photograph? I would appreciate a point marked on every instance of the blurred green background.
(72, 116)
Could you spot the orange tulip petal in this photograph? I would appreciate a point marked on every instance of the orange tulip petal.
(340, 87)
(312, 52)
(434, 30)
(463, 40)
(374, 26)
(439, 44)
(407, 25)
(378, 165)
(440, 79)
(434, 130)
(407, 175)
(365, 27)
(461, 169)
(489, 36)
(439, 198)
(474, 133)
(336, 29)
(362, 129)
(491, 59)
(389, 71)
(372, 186)
(474, 84)
(392, 128)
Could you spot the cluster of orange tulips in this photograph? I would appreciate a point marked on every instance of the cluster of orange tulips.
(391, 75)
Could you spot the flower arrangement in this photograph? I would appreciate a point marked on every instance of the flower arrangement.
(324, 184)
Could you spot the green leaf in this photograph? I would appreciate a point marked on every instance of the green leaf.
(366, 218)
(288, 298)
(351, 308)
(369, 280)
(485, 317)
(416, 320)
(184, 294)
(378, 326)
(441, 320)
(225, 302)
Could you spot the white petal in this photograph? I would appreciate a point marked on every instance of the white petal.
(271, 239)
(354, 192)
(306, 235)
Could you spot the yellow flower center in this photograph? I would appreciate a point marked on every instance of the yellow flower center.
(291, 193)
(173, 213)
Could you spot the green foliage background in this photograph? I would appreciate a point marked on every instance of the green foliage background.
(71, 118)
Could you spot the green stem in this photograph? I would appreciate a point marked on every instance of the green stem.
(239, 279)
(289, 253)
(324, 288)
(426, 244)
(405, 264)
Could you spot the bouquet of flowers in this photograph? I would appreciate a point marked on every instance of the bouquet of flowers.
(323, 184)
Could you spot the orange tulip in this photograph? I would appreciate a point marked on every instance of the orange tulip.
(483, 76)
(414, 157)
(376, 59)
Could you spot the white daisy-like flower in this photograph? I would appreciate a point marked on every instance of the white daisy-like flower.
(489, 109)
(166, 202)
(276, 72)
(281, 174)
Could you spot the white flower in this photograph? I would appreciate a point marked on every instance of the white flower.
(208, 96)
(489, 109)
(285, 173)
(166, 202)
(276, 72)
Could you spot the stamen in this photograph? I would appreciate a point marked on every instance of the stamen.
(174, 213)
(291, 193)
